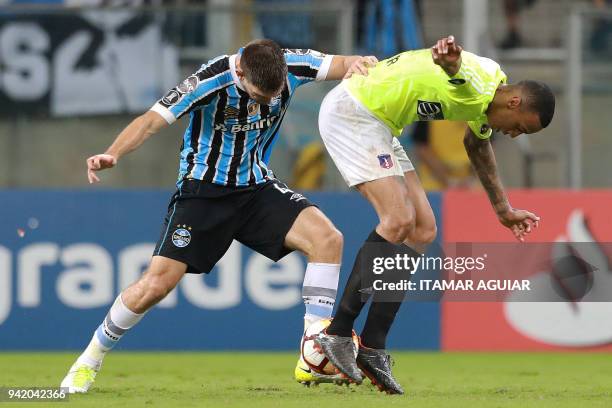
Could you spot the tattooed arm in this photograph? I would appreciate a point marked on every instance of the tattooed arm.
(482, 157)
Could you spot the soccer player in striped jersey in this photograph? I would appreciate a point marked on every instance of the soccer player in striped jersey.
(359, 121)
(225, 190)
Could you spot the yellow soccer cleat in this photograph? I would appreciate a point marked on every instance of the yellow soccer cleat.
(79, 378)
(306, 376)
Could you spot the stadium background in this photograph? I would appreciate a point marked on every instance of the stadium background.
(72, 77)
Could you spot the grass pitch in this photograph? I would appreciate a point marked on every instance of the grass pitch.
(265, 380)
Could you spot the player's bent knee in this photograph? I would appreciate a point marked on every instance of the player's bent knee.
(426, 235)
(397, 228)
(157, 283)
(327, 243)
(156, 290)
(332, 240)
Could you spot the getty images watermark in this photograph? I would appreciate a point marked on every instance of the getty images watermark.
(459, 266)
(488, 272)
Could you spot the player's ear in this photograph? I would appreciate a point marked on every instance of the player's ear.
(239, 70)
(514, 102)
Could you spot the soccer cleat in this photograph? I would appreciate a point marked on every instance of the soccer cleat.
(306, 376)
(79, 378)
(376, 365)
(341, 353)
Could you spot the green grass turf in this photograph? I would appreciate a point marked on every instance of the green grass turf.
(265, 380)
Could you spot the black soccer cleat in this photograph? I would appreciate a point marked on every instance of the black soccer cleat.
(341, 353)
(376, 365)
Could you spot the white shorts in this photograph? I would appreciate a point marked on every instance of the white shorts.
(361, 145)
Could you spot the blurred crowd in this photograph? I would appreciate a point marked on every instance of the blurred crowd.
(599, 39)
(383, 28)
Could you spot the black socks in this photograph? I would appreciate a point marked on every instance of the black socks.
(380, 315)
(378, 324)
(351, 303)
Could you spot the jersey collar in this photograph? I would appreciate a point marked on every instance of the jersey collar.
(232, 64)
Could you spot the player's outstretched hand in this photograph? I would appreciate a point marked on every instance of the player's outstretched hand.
(361, 66)
(97, 163)
(520, 222)
(447, 54)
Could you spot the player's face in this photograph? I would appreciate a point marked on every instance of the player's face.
(261, 97)
(515, 122)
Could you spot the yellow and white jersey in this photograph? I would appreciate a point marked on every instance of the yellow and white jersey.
(410, 87)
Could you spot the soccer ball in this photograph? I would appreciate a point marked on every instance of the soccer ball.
(315, 359)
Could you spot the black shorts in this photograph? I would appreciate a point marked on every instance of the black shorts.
(204, 218)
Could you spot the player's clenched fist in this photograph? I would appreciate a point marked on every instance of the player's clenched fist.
(361, 65)
(97, 163)
(447, 54)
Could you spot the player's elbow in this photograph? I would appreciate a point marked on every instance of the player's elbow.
(468, 141)
(150, 122)
(143, 123)
(471, 142)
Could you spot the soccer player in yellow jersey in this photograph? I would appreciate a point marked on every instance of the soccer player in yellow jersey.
(359, 121)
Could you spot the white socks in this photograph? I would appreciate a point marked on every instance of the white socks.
(118, 320)
(319, 291)
(319, 294)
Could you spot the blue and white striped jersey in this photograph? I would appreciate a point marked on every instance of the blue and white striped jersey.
(230, 136)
